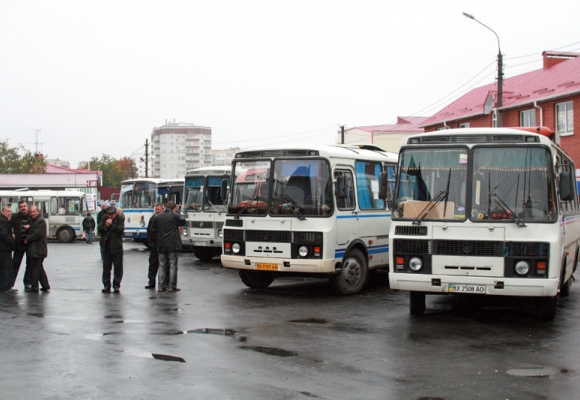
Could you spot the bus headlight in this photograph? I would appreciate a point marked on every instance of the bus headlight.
(303, 251)
(236, 248)
(184, 232)
(415, 263)
(220, 234)
(142, 223)
(522, 267)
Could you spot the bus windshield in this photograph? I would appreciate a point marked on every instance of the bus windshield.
(203, 193)
(126, 198)
(291, 187)
(193, 193)
(512, 180)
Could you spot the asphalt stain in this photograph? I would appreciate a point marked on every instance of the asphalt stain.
(271, 351)
(213, 331)
(309, 321)
(36, 314)
(165, 357)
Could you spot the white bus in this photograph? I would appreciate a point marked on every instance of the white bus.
(170, 190)
(204, 208)
(490, 211)
(137, 201)
(63, 210)
(308, 211)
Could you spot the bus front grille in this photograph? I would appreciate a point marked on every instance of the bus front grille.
(477, 248)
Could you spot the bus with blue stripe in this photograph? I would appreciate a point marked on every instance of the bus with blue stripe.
(311, 211)
(137, 200)
(485, 211)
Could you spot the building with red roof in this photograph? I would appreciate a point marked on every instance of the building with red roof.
(546, 97)
(387, 137)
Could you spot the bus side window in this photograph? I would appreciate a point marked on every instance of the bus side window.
(344, 190)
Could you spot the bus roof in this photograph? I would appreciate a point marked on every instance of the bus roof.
(141, 180)
(171, 182)
(208, 170)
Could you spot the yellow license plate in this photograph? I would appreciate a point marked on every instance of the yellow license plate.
(270, 267)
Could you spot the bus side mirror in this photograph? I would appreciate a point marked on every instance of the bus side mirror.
(566, 186)
(341, 187)
(384, 192)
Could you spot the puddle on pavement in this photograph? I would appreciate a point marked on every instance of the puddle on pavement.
(36, 314)
(271, 351)
(165, 357)
(535, 371)
(317, 321)
(213, 331)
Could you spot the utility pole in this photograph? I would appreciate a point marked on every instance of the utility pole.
(342, 134)
(36, 133)
(146, 158)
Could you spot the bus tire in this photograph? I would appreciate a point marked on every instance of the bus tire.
(203, 254)
(416, 303)
(65, 235)
(565, 286)
(256, 279)
(352, 276)
(547, 307)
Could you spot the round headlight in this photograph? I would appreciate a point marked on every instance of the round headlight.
(184, 232)
(142, 223)
(522, 267)
(220, 233)
(236, 248)
(415, 263)
(303, 251)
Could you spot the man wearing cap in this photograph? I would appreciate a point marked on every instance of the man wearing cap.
(111, 227)
(166, 231)
(6, 247)
(100, 216)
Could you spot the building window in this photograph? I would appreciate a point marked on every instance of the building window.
(494, 119)
(565, 118)
(464, 125)
(528, 118)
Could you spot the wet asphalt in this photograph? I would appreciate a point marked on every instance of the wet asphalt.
(217, 339)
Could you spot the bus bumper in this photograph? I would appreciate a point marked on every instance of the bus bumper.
(311, 266)
(497, 286)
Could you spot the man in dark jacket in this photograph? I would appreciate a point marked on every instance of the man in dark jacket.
(89, 227)
(166, 232)
(153, 255)
(111, 229)
(20, 223)
(37, 251)
(6, 247)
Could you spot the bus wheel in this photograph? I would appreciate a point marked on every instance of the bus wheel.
(565, 287)
(416, 303)
(547, 307)
(353, 275)
(65, 235)
(204, 254)
(256, 279)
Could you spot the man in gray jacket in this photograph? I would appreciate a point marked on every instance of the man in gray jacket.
(37, 251)
(165, 229)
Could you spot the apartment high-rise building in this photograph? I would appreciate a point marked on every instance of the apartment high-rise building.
(223, 157)
(179, 146)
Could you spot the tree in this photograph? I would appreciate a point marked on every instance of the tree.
(127, 165)
(18, 160)
(112, 175)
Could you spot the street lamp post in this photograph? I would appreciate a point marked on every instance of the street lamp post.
(131, 161)
(499, 71)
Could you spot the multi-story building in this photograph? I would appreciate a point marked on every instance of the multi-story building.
(179, 146)
(223, 157)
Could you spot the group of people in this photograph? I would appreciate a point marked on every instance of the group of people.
(23, 236)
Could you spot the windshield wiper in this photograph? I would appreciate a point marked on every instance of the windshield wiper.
(296, 208)
(237, 216)
(216, 210)
(507, 210)
(430, 206)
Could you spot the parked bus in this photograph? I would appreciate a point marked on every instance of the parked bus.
(308, 211)
(204, 208)
(170, 190)
(63, 210)
(137, 201)
(490, 211)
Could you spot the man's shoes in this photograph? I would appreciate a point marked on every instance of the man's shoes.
(174, 290)
(45, 289)
(31, 290)
(106, 290)
(162, 290)
(117, 290)
(150, 286)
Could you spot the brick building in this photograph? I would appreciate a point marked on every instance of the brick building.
(546, 97)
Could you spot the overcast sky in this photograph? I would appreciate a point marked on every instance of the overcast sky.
(97, 76)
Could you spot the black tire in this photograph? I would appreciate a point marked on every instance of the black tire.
(256, 279)
(352, 276)
(565, 286)
(65, 235)
(547, 307)
(416, 303)
(204, 253)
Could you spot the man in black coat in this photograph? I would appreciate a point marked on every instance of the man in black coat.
(111, 228)
(36, 251)
(166, 232)
(20, 222)
(89, 227)
(6, 247)
(153, 255)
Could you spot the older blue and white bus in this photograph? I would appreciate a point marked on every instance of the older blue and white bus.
(490, 211)
(137, 201)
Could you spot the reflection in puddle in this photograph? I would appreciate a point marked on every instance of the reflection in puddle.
(213, 331)
(165, 357)
(319, 321)
(36, 314)
(533, 371)
(271, 351)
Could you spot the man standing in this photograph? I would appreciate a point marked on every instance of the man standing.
(153, 255)
(37, 251)
(20, 223)
(111, 229)
(166, 232)
(88, 227)
(100, 215)
(6, 247)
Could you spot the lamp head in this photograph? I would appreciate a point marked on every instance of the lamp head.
(468, 15)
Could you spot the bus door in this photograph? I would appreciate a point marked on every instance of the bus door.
(346, 216)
